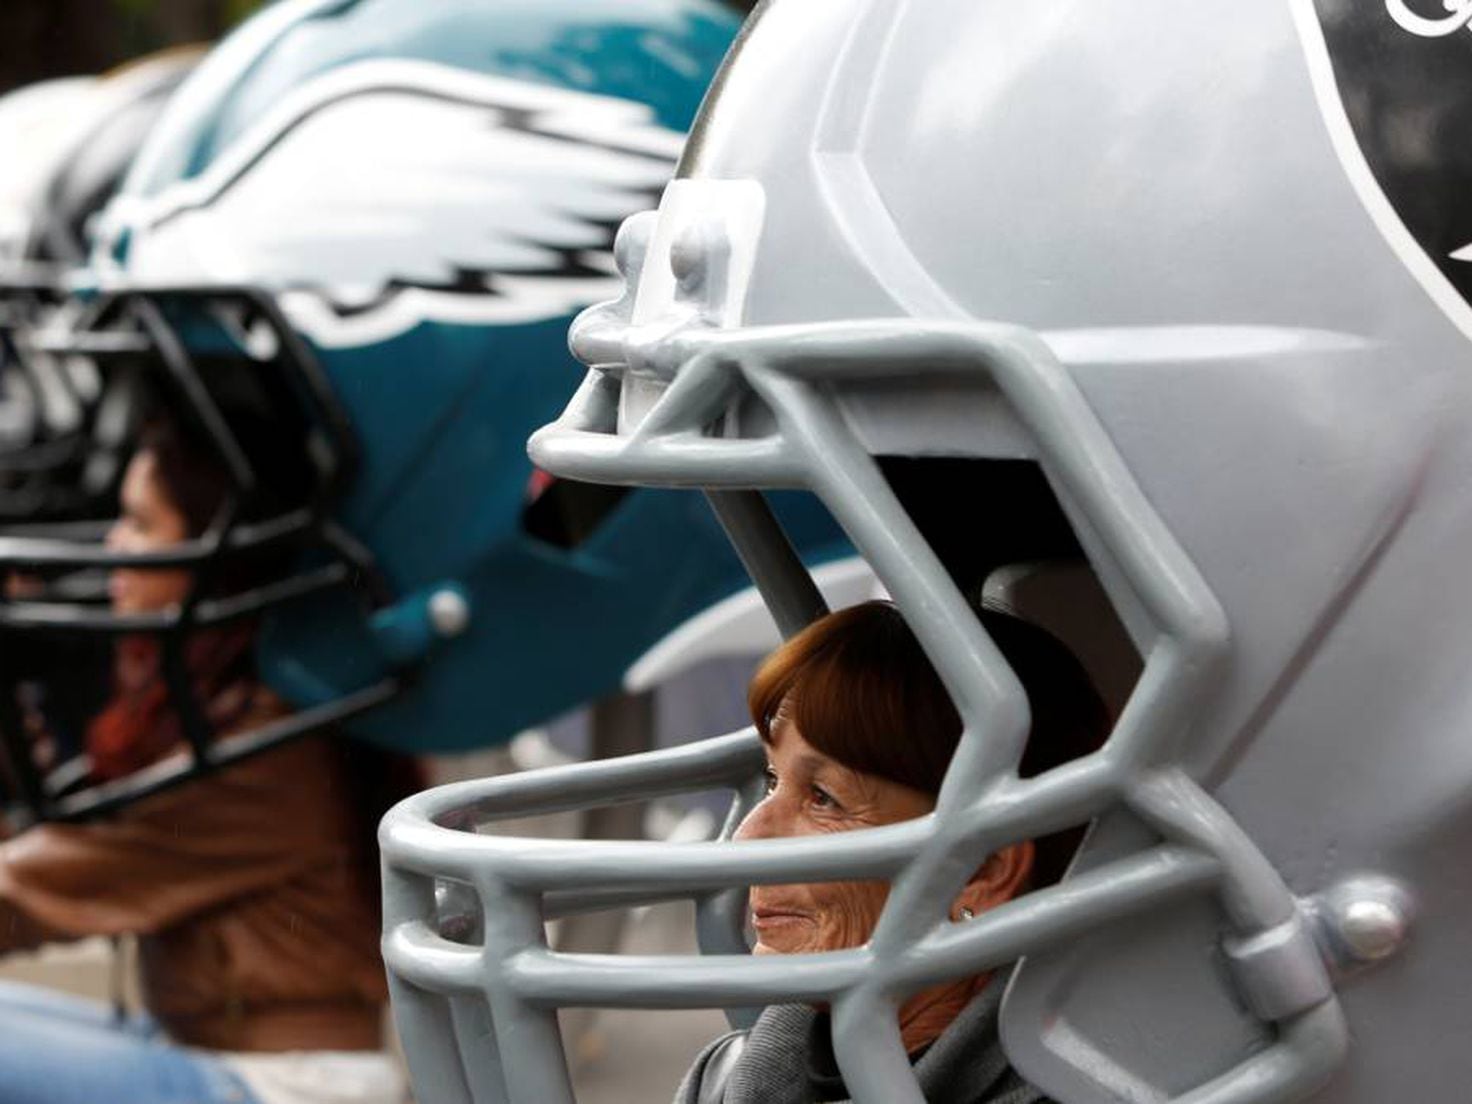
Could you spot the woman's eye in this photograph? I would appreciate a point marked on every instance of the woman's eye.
(823, 799)
(769, 781)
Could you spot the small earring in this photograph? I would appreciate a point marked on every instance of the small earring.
(967, 914)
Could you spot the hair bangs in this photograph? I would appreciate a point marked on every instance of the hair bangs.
(860, 690)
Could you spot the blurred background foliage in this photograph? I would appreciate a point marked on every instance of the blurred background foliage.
(54, 38)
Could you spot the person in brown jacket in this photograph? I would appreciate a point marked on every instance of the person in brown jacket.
(252, 890)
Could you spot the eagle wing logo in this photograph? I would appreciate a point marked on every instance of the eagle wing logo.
(390, 193)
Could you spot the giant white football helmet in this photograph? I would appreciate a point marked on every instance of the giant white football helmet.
(1207, 269)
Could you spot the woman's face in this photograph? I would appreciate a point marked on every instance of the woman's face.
(808, 793)
(149, 522)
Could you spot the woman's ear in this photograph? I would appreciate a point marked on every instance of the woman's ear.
(1001, 878)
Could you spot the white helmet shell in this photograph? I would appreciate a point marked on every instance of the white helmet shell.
(1152, 249)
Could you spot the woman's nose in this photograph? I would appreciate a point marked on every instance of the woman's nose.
(764, 822)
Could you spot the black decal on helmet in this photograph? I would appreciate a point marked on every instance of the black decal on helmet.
(1404, 73)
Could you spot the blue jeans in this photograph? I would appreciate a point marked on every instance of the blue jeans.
(59, 1049)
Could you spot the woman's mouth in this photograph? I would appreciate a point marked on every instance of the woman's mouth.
(766, 919)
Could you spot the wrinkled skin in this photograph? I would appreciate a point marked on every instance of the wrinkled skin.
(809, 793)
(149, 522)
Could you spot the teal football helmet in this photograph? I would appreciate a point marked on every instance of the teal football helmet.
(367, 225)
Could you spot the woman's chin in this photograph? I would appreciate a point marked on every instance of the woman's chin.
(767, 946)
(784, 940)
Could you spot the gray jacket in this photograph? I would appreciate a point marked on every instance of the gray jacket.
(771, 1063)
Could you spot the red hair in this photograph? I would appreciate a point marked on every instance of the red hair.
(862, 691)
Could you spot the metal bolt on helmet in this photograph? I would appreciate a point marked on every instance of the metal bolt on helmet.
(1192, 266)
